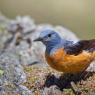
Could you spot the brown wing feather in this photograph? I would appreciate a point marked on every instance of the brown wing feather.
(81, 45)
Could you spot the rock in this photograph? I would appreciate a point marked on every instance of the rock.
(3, 21)
(13, 74)
(11, 64)
(53, 90)
(4, 34)
(91, 93)
(24, 90)
(21, 28)
(25, 22)
(23, 51)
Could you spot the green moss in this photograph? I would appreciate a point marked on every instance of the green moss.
(68, 92)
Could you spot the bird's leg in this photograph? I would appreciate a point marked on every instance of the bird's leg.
(82, 74)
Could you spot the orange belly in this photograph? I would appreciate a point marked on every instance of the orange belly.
(69, 63)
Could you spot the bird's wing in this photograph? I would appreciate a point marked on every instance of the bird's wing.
(81, 45)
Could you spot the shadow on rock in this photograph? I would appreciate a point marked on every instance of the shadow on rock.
(64, 80)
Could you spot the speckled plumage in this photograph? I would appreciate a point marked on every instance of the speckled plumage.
(66, 56)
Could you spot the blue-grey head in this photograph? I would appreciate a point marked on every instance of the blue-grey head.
(49, 37)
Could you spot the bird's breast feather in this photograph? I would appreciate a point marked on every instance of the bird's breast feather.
(56, 55)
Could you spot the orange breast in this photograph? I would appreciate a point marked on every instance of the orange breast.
(93, 54)
(69, 63)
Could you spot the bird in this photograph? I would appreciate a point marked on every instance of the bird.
(64, 55)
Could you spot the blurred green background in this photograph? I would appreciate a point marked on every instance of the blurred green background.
(77, 15)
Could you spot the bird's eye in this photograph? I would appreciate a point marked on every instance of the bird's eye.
(49, 35)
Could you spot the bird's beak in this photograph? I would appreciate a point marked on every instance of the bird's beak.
(38, 39)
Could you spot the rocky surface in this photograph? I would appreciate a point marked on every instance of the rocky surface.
(13, 74)
(46, 81)
(23, 69)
